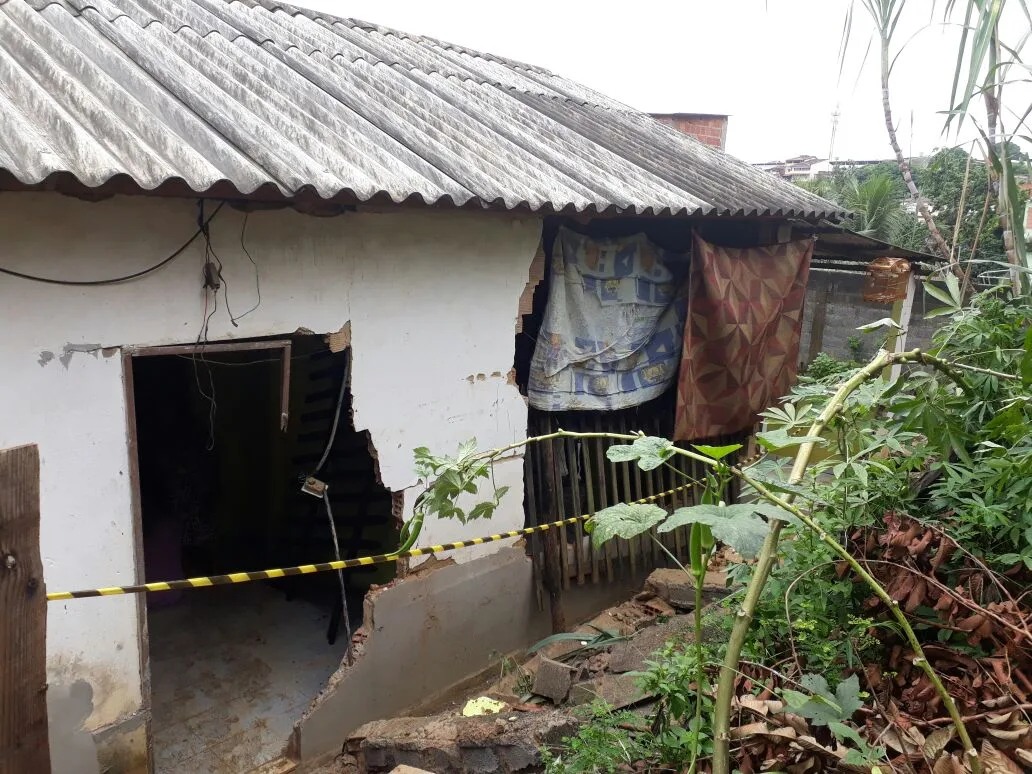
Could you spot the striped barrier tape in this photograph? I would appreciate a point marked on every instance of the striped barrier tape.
(307, 569)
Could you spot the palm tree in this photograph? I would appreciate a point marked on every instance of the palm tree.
(876, 203)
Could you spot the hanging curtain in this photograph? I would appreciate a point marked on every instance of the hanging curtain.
(741, 340)
(613, 326)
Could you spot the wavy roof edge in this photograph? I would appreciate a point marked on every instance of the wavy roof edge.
(258, 99)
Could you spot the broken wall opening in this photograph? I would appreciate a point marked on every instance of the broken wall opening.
(233, 667)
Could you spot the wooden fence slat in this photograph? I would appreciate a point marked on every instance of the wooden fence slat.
(536, 545)
(600, 461)
(578, 507)
(556, 577)
(24, 745)
(589, 494)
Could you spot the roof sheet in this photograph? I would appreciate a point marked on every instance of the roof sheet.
(267, 99)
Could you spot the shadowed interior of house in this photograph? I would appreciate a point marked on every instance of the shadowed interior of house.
(234, 667)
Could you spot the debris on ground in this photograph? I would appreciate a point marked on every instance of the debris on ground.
(535, 701)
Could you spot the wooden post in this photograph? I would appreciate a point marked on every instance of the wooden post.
(24, 746)
(817, 323)
(554, 572)
(902, 311)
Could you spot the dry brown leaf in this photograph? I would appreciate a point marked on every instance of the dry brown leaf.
(1007, 734)
(800, 724)
(997, 701)
(1024, 755)
(948, 764)
(999, 720)
(749, 730)
(916, 596)
(754, 705)
(937, 741)
(996, 762)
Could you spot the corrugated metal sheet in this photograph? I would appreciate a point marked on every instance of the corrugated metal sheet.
(259, 97)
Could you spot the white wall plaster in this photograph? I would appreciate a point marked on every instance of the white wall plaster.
(430, 296)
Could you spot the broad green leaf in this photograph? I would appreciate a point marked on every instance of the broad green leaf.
(940, 295)
(884, 322)
(795, 699)
(649, 451)
(781, 439)
(624, 520)
(717, 452)
(825, 707)
(734, 525)
(842, 731)
(772, 511)
(953, 285)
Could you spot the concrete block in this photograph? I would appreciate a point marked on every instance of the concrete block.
(678, 589)
(553, 680)
(618, 691)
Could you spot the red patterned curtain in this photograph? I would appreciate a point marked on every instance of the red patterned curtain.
(741, 340)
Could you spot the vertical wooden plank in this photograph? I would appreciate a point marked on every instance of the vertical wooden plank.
(600, 464)
(589, 496)
(142, 622)
(633, 543)
(557, 512)
(555, 575)
(24, 745)
(617, 547)
(820, 317)
(645, 544)
(570, 445)
(530, 461)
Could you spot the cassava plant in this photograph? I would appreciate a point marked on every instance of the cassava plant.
(953, 427)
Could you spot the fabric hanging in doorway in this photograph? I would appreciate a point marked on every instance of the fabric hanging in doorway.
(613, 326)
(741, 340)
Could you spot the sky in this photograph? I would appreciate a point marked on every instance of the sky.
(772, 65)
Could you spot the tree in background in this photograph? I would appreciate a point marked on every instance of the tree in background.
(876, 202)
(876, 195)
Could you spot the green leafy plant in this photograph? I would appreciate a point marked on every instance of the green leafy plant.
(824, 365)
(820, 705)
(856, 347)
(607, 742)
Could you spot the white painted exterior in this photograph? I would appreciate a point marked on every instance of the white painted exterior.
(432, 299)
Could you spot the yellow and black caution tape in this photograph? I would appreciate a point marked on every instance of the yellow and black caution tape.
(343, 564)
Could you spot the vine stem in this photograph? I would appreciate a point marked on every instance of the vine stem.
(764, 563)
(920, 659)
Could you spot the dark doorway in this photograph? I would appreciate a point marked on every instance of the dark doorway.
(223, 450)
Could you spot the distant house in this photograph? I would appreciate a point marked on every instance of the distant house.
(798, 168)
(245, 244)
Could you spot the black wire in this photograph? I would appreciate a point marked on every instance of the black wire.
(257, 281)
(202, 335)
(116, 280)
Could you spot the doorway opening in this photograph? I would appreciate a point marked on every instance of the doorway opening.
(226, 436)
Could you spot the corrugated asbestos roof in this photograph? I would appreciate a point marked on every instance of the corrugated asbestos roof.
(260, 98)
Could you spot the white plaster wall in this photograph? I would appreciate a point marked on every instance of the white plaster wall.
(432, 299)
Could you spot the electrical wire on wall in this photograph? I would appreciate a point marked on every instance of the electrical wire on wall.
(212, 281)
(126, 277)
(317, 488)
